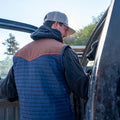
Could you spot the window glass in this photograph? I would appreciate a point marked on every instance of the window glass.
(8, 46)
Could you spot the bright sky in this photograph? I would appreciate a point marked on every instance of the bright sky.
(79, 12)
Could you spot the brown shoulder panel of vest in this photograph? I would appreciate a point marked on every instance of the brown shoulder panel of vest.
(39, 48)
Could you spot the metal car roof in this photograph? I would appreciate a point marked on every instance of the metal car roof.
(19, 26)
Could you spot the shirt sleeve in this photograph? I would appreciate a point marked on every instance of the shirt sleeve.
(76, 79)
(8, 88)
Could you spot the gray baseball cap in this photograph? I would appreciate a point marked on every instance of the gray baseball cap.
(60, 17)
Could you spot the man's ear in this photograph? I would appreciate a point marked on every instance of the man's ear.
(55, 25)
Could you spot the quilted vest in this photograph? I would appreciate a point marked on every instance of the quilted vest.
(40, 81)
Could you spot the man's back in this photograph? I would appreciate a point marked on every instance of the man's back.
(39, 76)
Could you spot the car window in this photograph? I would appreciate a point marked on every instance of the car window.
(21, 38)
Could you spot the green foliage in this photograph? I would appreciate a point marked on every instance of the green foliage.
(12, 45)
(82, 36)
(70, 40)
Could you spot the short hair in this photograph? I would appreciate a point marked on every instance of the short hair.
(60, 23)
(50, 23)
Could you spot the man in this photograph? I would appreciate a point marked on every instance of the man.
(46, 71)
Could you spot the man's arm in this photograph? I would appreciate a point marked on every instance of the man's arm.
(76, 78)
(8, 88)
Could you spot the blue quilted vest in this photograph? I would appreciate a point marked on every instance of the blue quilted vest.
(40, 81)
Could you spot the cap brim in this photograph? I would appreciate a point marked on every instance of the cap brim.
(70, 31)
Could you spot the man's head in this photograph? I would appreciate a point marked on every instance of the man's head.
(59, 21)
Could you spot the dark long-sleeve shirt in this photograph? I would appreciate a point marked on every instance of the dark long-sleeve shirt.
(75, 76)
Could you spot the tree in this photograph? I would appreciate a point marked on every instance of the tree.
(82, 36)
(12, 45)
(69, 40)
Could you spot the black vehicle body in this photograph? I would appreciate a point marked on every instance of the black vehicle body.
(104, 90)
